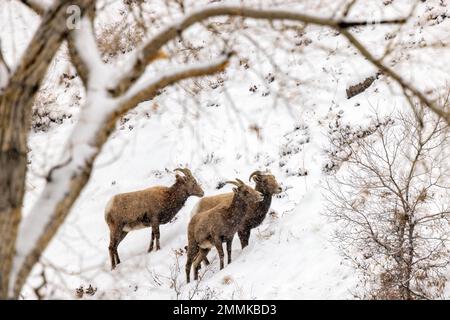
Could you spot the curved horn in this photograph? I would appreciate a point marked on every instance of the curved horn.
(256, 173)
(233, 182)
(185, 171)
(240, 181)
(188, 171)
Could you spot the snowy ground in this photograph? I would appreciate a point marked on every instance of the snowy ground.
(290, 255)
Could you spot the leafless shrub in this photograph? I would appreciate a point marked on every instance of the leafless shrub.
(361, 86)
(175, 272)
(294, 142)
(47, 112)
(344, 140)
(182, 291)
(119, 38)
(79, 292)
(390, 203)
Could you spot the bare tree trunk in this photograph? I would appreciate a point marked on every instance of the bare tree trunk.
(15, 116)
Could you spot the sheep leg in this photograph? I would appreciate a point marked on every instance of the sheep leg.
(122, 236)
(158, 247)
(198, 260)
(112, 256)
(229, 243)
(191, 253)
(155, 230)
(205, 260)
(244, 236)
(150, 248)
(113, 243)
(155, 237)
(219, 247)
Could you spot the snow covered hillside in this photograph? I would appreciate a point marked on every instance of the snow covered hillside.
(271, 109)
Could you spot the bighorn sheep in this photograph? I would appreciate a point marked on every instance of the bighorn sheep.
(147, 208)
(265, 184)
(217, 225)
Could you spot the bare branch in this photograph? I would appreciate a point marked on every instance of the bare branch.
(74, 56)
(348, 8)
(389, 217)
(388, 71)
(152, 48)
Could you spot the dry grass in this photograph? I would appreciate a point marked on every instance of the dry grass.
(118, 38)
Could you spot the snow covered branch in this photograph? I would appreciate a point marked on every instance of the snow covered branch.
(40, 9)
(152, 48)
(76, 52)
(408, 88)
(146, 91)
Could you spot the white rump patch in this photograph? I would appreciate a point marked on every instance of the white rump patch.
(137, 227)
(206, 244)
(109, 206)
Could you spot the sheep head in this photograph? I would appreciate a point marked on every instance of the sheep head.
(189, 183)
(246, 192)
(265, 182)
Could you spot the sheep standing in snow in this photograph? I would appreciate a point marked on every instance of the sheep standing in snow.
(147, 208)
(255, 213)
(217, 225)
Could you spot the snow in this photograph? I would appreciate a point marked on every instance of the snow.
(290, 255)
